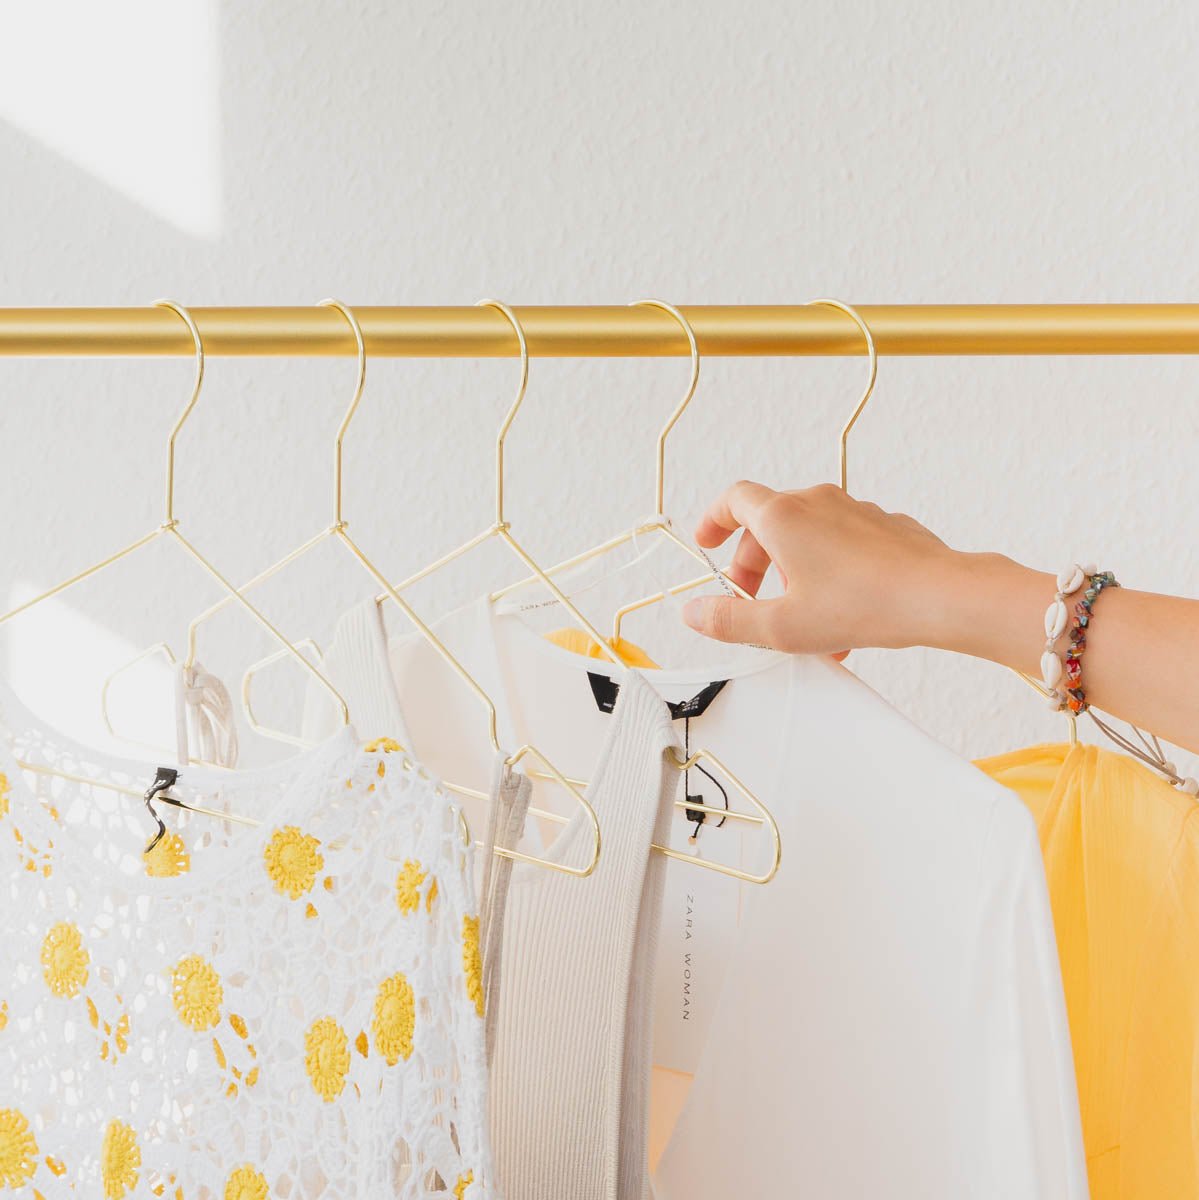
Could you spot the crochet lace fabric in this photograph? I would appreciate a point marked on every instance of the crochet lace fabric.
(289, 1011)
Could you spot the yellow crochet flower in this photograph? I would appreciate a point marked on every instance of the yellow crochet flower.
(246, 1183)
(120, 1159)
(197, 992)
(168, 858)
(5, 793)
(472, 961)
(395, 1019)
(408, 883)
(292, 861)
(386, 745)
(18, 1150)
(327, 1057)
(64, 959)
(464, 1181)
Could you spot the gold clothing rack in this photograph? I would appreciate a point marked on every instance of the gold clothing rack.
(610, 331)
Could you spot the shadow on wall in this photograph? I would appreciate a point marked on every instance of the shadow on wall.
(131, 96)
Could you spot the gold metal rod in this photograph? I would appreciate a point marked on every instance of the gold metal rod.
(609, 331)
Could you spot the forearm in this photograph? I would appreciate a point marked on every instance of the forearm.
(1142, 658)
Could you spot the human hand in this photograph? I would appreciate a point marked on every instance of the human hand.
(852, 574)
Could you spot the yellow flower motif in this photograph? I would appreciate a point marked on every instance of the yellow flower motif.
(5, 793)
(18, 1150)
(246, 1183)
(197, 992)
(327, 1057)
(292, 861)
(464, 1181)
(120, 1159)
(386, 745)
(395, 1019)
(472, 961)
(168, 858)
(64, 959)
(3, 1015)
(430, 896)
(408, 883)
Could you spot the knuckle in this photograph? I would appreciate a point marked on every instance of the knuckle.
(825, 492)
(720, 619)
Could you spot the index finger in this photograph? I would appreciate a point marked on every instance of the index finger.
(736, 507)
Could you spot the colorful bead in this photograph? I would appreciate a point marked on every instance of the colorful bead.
(1075, 699)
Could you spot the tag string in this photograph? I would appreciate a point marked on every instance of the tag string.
(694, 815)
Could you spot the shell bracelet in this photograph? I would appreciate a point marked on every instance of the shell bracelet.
(1054, 673)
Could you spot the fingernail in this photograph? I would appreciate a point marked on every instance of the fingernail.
(693, 614)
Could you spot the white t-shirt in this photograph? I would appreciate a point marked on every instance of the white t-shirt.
(889, 1019)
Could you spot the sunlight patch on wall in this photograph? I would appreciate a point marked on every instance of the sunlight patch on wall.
(127, 91)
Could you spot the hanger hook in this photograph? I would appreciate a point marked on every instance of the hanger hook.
(197, 382)
(514, 407)
(681, 407)
(352, 408)
(856, 317)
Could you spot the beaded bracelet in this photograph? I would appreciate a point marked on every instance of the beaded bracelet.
(1073, 698)
(1076, 699)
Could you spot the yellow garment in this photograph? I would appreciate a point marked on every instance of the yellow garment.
(1121, 851)
(578, 641)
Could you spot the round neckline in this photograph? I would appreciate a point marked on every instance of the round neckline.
(17, 719)
(756, 659)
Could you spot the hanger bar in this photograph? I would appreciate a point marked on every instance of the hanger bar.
(609, 331)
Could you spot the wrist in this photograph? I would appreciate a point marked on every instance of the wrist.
(992, 607)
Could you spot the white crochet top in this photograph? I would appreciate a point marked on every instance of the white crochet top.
(288, 1011)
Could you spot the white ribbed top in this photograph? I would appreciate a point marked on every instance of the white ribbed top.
(573, 1047)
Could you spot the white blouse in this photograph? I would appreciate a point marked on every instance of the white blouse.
(292, 1010)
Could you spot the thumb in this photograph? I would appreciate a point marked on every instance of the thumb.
(731, 619)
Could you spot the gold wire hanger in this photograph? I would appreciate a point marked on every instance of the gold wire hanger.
(843, 460)
(501, 527)
(711, 576)
(169, 527)
(339, 529)
(660, 523)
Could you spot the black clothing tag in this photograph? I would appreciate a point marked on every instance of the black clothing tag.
(698, 704)
(605, 689)
(164, 779)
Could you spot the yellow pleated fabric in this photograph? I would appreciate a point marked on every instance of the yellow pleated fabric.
(580, 642)
(1121, 850)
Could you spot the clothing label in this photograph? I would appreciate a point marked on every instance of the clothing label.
(605, 689)
(695, 937)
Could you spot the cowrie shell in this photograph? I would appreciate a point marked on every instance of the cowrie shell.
(1055, 619)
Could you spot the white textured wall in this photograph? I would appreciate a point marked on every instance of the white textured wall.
(553, 152)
